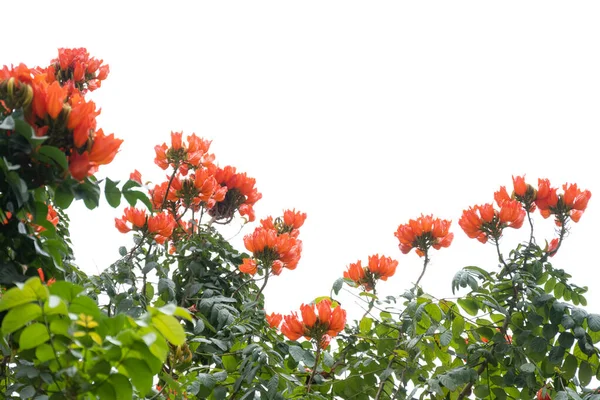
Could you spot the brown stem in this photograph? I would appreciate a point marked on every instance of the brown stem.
(314, 371)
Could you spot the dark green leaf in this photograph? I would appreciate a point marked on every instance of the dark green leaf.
(56, 155)
(112, 193)
(593, 321)
(585, 373)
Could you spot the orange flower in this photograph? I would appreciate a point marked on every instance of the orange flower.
(249, 266)
(136, 217)
(292, 328)
(161, 225)
(382, 267)
(356, 273)
(80, 165)
(136, 176)
(315, 325)
(50, 282)
(308, 315)
(104, 148)
(56, 96)
(423, 233)
(241, 195)
(484, 222)
(274, 320)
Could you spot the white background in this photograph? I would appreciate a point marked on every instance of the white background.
(361, 114)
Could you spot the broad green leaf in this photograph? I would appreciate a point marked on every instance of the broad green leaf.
(458, 326)
(55, 155)
(469, 305)
(44, 353)
(528, 367)
(85, 305)
(60, 327)
(33, 336)
(170, 328)
(337, 285)
(19, 316)
(139, 373)
(112, 193)
(16, 297)
(593, 321)
(585, 373)
(365, 325)
(55, 305)
(229, 363)
(183, 313)
(570, 366)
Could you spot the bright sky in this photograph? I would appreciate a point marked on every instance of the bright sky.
(361, 114)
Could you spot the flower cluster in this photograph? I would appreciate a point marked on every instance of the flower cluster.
(423, 233)
(159, 226)
(484, 222)
(54, 103)
(274, 244)
(378, 268)
(319, 324)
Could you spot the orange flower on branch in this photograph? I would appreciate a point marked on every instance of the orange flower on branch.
(569, 205)
(75, 69)
(423, 233)
(183, 157)
(379, 267)
(319, 324)
(272, 251)
(274, 319)
(137, 219)
(241, 195)
(483, 222)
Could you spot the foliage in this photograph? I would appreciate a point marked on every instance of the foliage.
(181, 313)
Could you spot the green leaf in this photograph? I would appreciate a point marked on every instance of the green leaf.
(85, 305)
(556, 355)
(528, 367)
(132, 196)
(365, 325)
(272, 386)
(446, 337)
(170, 328)
(44, 353)
(585, 373)
(207, 380)
(112, 193)
(33, 336)
(139, 373)
(297, 353)
(458, 326)
(116, 387)
(567, 321)
(593, 321)
(569, 366)
(229, 363)
(19, 316)
(65, 290)
(55, 305)
(469, 305)
(566, 339)
(63, 196)
(15, 297)
(56, 155)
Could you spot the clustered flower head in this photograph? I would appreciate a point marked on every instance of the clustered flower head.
(423, 233)
(160, 226)
(274, 244)
(319, 322)
(380, 267)
(54, 103)
(484, 222)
